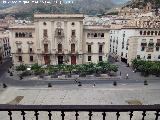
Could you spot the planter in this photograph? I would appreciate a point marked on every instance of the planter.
(41, 76)
(144, 74)
(103, 75)
(90, 76)
(62, 76)
(97, 75)
(75, 76)
(82, 75)
(54, 76)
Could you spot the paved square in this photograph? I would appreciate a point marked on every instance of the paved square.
(84, 95)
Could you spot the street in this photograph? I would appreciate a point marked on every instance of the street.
(133, 79)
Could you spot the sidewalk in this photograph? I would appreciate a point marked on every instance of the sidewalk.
(132, 75)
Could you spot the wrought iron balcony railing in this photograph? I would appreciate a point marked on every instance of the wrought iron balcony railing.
(77, 109)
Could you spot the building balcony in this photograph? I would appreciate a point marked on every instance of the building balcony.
(143, 44)
(60, 52)
(76, 110)
(31, 51)
(150, 44)
(19, 51)
(100, 52)
(46, 52)
(150, 50)
(158, 44)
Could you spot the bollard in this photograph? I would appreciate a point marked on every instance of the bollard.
(49, 85)
(115, 83)
(145, 82)
(4, 85)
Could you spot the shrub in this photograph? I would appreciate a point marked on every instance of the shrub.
(35, 66)
(21, 67)
(26, 73)
(39, 71)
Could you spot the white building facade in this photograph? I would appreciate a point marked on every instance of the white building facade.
(57, 39)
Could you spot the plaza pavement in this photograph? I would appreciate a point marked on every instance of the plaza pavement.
(84, 95)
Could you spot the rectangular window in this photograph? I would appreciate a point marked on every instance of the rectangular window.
(73, 32)
(31, 58)
(19, 50)
(121, 53)
(100, 48)
(89, 48)
(143, 48)
(20, 58)
(89, 58)
(149, 56)
(157, 48)
(45, 34)
(100, 58)
(30, 34)
(138, 57)
(30, 50)
(102, 35)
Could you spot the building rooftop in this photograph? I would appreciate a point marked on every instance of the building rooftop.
(58, 16)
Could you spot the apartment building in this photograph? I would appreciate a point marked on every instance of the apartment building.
(126, 41)
(4, 45)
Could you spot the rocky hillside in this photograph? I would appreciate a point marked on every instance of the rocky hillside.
(91, 7)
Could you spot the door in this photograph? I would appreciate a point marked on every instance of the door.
(60, 59)
(45, 48)
(46, 59)
(73, 60)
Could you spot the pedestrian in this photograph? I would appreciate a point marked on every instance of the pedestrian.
(120, 73)
(127, 76)
(94, 84)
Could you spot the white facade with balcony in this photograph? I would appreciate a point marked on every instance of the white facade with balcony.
(56, 39)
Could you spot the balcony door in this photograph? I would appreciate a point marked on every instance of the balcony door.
(73, 59)
(60, 59)
(46, 59)
(45, 48)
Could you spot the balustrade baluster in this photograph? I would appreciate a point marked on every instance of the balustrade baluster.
(117, 115)
(36, 114)
(10, 115)
(49, 115)
(131, 114)
(144, 114)
(76, 115)
(104, 115)
(90, 115)
(62, 114)
(157, 115)
(23, 114)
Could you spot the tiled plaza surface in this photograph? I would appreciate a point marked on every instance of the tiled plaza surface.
(84, 95)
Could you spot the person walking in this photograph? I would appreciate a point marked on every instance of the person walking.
(127, 76)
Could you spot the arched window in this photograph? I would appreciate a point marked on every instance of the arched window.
(59, 32)
(144, 33)
(102, 35)
(95, 34)
(140, 32)
(88, 35)
(23, 34)
(59, 48)
(152, 32)
(72, 48)
(156, 32)
(20, 34)
(148, 33)
(16, 34)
